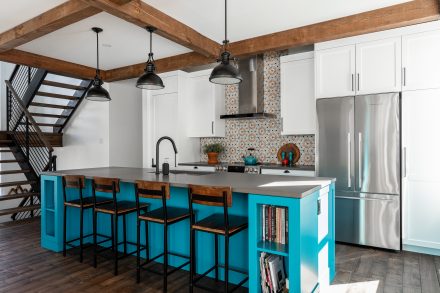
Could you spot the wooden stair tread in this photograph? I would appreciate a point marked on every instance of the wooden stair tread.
(3, 141)
(63, 85)
(51, 106)
(11, 161)
(15, 171)
(48, 115)
(46, 124)
(19, 209)
(18, 195)
(5, 151)
(15, 183)
(56, 96)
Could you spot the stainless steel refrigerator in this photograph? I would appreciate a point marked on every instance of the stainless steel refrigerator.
(359, 144)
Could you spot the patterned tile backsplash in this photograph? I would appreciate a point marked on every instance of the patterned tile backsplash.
(262, 134)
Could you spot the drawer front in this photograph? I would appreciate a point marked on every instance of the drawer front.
(287, 172)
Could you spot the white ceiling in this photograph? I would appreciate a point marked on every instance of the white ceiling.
(121, 43)
(251, 18)
(14, 12)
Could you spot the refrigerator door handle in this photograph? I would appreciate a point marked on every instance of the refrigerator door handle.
(349, 159)
(364, 198)
(360, 160)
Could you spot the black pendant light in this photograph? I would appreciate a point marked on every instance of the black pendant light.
(225, 72)
(149, 80)
(97, 92)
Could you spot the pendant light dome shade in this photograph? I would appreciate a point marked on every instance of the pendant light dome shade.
(97, 92)
(225, 73)
(149, 80)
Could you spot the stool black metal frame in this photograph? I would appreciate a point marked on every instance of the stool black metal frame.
(111, 185)
(206, 196)
(157, 190)
(78, 182)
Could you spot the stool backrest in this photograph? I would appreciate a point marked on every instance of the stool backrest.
(108, 185)
(73, 181)
(211, 196)
(155, 190)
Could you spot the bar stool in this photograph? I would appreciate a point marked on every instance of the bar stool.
(82, 203)
(164, 215)
(115, 209)
(217, 224)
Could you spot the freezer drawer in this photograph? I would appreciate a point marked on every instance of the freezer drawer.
(368, 219)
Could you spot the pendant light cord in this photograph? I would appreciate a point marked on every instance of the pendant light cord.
(97, 54)
(226, 22)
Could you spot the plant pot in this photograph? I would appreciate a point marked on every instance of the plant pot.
(212, 158)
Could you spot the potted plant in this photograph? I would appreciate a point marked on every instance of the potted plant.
(213, 150)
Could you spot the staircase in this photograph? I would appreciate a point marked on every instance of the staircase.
(39, 106)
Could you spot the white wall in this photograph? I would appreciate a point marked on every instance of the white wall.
(5, 72)
(86, 137)
(125, 124)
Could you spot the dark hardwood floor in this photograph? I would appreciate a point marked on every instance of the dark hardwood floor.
(26, 267)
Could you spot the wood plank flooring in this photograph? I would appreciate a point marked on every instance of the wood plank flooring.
(26, 267)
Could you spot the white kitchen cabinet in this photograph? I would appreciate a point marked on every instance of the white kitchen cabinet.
(165, 113)
(287, 172)
(420, 172)
(298, 105)
(206, 102)
(421, 61)
(378, 66)
(335, 72)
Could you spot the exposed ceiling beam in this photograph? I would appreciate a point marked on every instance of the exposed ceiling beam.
(121, 2)
(409, 13)
(47, 22)
(163, 65)
(142, 14)
(50, 64)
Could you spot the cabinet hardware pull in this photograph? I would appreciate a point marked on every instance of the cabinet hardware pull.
(287, 171)
(404, 162)
(319, 207)
(359, 81)
(352, 82)
(212, 127)
(360, 160)
(404, 76)
(349, 159)
(195, 167)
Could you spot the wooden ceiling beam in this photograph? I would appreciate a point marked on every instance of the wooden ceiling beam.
(142, 14)
(121, 2)
(51, 64)
(409, 13)
(181, 61)
(47, 22)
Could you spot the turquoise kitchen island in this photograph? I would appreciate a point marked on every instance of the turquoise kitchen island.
(309, 255)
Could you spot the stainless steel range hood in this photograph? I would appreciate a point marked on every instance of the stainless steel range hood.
(251, 90)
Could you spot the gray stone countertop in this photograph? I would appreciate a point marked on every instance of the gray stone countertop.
(285, 186)
(262, 165)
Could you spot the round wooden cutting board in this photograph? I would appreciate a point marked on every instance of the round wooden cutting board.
(289, 147)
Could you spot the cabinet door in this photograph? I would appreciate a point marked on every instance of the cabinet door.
(298, 107)
(201, 107)
(334, 72)
(421, 61)
(378, 66)
(421, 175)
(165, 111)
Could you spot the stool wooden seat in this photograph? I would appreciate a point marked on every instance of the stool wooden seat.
(216, 224)
(220, 224)
(115, 209)
(82, 203)
(166, 216)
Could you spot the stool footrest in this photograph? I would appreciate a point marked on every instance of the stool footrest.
(77, 239)
(199, 277)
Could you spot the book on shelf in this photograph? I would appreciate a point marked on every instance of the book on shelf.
(272, 273)
(274, 224)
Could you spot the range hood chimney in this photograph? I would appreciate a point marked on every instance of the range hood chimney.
(251, 90)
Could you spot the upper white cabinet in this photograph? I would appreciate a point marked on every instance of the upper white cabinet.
(358, 69)
(378, 66)
(298, 108)
(206, 102)
(421, 61)
(334, 72)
